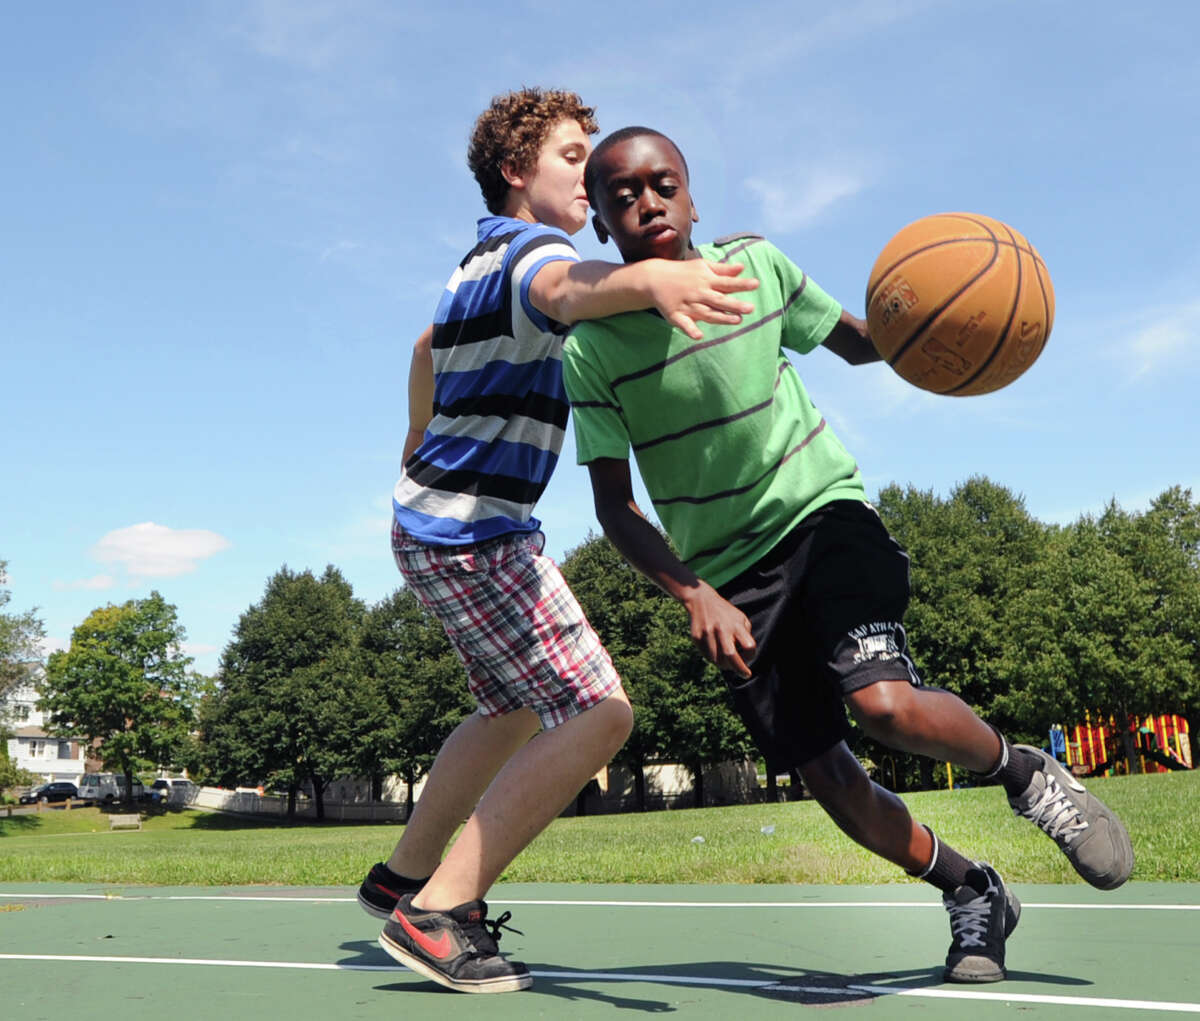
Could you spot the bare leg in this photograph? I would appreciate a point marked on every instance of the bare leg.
(865, 812)
(926, 721)
(534, 786)
(466, 764)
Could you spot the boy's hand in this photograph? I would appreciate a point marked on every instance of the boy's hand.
(720, 630)
(696, 290)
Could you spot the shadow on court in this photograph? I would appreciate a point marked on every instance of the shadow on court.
(701, 952)
(762, 980)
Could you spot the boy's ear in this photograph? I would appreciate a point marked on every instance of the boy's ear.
(695, 215)
(600, 229)
(514, 177)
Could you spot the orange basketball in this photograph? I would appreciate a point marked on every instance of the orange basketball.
(959, 303)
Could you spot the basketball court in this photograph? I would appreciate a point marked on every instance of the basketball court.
(692, 951)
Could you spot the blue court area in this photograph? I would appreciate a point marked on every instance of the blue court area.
(595, 952)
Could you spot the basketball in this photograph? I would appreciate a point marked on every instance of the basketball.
(959, 303)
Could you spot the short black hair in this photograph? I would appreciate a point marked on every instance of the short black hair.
(620, 135)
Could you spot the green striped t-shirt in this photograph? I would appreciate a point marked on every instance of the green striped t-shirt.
(731, 449)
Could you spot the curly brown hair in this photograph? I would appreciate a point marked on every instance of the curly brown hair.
(513, 128)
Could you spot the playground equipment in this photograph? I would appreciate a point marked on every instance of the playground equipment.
(1101, 747)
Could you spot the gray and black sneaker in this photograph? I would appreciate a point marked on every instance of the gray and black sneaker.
(983, 914)
(1085, 829)
(382, 890)
(455, 948)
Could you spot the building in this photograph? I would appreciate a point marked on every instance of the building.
(29, 746)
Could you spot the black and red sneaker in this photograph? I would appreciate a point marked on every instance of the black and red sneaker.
(455, 948)
(382, 889)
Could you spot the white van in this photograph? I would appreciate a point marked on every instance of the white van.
(174, 790)
(106, 788)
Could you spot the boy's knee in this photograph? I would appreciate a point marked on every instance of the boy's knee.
(614, 716)
(881, 707)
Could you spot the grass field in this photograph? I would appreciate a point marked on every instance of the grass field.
(784, 843)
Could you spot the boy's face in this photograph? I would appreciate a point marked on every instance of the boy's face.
(551, 191)
(642, 200)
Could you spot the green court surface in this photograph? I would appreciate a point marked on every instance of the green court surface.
(83, 952)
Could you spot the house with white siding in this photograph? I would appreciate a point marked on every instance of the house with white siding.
(29, 746)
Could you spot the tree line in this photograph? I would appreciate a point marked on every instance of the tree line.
(1031, 623)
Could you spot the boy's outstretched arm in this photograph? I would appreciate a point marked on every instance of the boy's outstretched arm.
(685, 292)
(719, 628)
(849, 339)
(420, 391)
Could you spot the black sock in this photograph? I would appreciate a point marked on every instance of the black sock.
(948, 869)
(1014, 769)
(404, 881)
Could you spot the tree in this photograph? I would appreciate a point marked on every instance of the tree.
(681, 708)
(20, 635)
(11, 775)
(123, 685)
(688, 713)
(1110, 624)
(420, 685)
(971, 555)
(291, 706)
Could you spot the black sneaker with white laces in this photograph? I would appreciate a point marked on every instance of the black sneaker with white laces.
(983, 914)
(382, 890)
(1085, 829)
(455, 948)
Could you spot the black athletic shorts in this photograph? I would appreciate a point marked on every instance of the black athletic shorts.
(825, 606)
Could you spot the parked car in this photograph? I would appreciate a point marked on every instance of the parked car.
(59, 790)
(173, 790)
(106, 787)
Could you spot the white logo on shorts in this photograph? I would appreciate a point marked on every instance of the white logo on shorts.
(877, 642)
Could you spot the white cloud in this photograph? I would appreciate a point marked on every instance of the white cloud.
(51, 644)
(96, 583)
(155, 551)
(1162, 341)
(789, 205)
(339, 249)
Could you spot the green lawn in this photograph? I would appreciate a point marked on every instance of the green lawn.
(203, 849)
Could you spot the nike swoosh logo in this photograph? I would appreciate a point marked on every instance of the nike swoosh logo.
(439, 948)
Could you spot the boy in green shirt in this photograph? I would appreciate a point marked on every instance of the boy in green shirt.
(793, 586)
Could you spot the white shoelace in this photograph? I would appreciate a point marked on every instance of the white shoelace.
(968, 922)
(1055, 813)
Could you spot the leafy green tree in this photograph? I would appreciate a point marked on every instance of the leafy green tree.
(123, 685)
(620, 604)
(420, 687)
(689, 716)
(1110, 625)
(20, 634)
(291, 706)
(971, 555)
(11, 775)
(681, 708)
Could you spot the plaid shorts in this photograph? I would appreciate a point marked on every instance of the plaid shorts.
(517, 627)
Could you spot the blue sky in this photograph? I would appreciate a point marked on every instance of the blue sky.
(225, 222)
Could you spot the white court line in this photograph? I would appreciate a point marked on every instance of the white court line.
(602, 903)
(682, 980)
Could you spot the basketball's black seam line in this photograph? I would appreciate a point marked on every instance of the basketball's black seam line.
(871, 294)
(914, 252)
(937, 244)
(1003, 337)
(937, 311)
